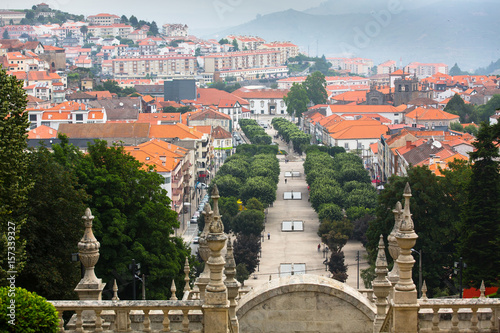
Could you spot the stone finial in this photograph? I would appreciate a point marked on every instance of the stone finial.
(173, 289)
(381, 262)
(88, 249)
(216, 227)
(424, 292)
(394, 249)
(381, 285)
(232, 285)
(406, 238)
(407, 224)
(482, 289)
(115, 292)
(187, 287)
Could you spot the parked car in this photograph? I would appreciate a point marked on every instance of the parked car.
(201, 185)
(196, 240)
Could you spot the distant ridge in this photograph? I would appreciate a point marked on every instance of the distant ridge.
(444, 32)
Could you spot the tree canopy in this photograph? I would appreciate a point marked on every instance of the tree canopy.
(315, 85)
(296, 100)
(14, 181)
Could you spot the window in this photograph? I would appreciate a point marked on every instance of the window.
(346, 145)
(167, 180)
(261, 104)
(32, 117)
(252, 103)
(79, 117)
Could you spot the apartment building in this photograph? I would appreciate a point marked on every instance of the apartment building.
(103, 19)
(111, 30)
(160, 66)
(242, 60)
(287, 49)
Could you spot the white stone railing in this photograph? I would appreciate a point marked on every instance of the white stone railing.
(131, 316)
(459, 315)
(368, 293)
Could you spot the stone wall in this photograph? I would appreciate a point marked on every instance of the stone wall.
(305, 303)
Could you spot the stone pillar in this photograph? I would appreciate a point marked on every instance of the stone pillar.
(89, 287)
(405, 303)
(393, 244)
(381, 286)
(232, 286)
(204, 251)
(216, 306)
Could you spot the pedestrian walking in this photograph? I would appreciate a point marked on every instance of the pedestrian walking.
(268, 235)
(285, 180)
(319, 247)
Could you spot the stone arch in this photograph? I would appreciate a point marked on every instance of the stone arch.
(305, 303)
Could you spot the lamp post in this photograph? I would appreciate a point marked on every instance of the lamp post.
(419, 270)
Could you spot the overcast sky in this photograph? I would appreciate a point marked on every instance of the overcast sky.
(198, 14)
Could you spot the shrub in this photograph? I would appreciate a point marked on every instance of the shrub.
(33, 313)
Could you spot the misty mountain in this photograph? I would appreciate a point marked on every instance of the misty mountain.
(448, 32)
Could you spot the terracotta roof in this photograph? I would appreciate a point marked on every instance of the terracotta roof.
(220, 133)
(42, 132)
(211, 96)
(178, 130)
(100, 94)
(159, 118)
(360, 132)
(206, 129)
(430, 114)
(358, 96)
(227, 103)
(38, 75)
(116, 130)
(380, 109)
(209, 114)
(261, 93)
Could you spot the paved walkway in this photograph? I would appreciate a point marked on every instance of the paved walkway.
(297, 246)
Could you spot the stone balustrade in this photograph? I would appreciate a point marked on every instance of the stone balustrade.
(133, 316)
(459, 315)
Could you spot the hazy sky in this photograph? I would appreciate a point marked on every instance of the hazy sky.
(198, 14)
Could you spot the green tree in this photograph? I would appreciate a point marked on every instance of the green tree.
(260, 188)
(5, 34)
(228, 185)
(337, 267)
(14, 181)
(315, 85)
(153, 28)
(455, 70)
(335, 233)
(246, 249)
(249, 222)
(330, 211)
(436, 217)
(235, 45)
(457, 106)
(254, 203)
(321, 65)
(197, 52)
(480, 227)
(132, 218)
(325, 194)
(296, 100)
(124, 19)
(242, 273)
(223, 41)
(485, 111)
(53, 229)
(133, 21)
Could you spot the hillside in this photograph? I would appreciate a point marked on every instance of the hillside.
(444, 32)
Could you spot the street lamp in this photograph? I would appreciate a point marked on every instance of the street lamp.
(419, 270)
